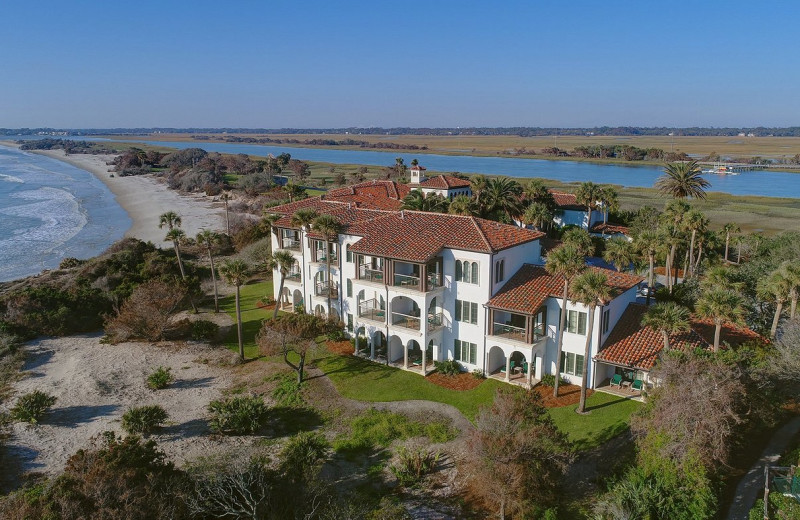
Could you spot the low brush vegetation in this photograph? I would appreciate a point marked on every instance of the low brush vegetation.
(413, 465)
(239, 415)
(376, 429)
(160, 378)
(30, 408)
(144, 420)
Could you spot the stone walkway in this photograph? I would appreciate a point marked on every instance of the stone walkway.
(751, 487)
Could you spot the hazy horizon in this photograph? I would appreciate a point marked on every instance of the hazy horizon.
(361, 64)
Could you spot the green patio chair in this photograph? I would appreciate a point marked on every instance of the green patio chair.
(638, 384)
(616, 380)
(525, 367)
(503, 368)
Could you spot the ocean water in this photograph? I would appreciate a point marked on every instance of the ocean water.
(50, 210)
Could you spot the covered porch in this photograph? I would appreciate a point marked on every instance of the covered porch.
(628, 382)
(514, 366)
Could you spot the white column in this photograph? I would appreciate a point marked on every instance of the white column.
(531, 362)
(424, 360)
(508, 369)
(405, 356)
(372, 350)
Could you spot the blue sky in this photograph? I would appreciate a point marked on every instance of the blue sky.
(434, 63)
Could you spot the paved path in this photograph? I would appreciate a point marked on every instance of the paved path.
(751, 486)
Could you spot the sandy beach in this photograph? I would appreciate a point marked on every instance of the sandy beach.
(145, 198)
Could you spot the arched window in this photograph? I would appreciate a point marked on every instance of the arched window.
(499, 271)
(458, 270)
(475, 279)
(349, 288)
(465, 269)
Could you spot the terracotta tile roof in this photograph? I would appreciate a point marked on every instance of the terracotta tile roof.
(445, 182)
(731, 334)
(347, 215)
(376, 188)
(567, 201)
(418, 167)
(418, 236)
(632, 345)
(610, 229)
(314, 203)
(527, 290)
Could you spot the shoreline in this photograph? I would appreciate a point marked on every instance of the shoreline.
(144, 199)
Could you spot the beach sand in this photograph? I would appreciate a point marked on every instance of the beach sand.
(145, 198)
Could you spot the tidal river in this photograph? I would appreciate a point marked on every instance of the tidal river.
(765, 183)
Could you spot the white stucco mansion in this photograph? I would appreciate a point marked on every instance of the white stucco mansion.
(416, 287)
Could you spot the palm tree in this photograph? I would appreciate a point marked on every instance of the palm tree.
(417, 201)
(295, 191)
(283, 261)
(729, 229)
(694, 222)
(721, 306)
(683, 180)
(791, 271)
(478, 184)
(775, 287)
(721, 276)
(169, 219)
(176, 235)
(503, 195)
(209, 238)
(463, 205)
(565, 262)
(649, 243)
(225, 198)
(587, 194)
(580, 239)
(667, 318)
(235, 273)
(609, 199)
(328, 226)
(536, 191)
(673, 227)
(537, 215)
(303, 218)
(591, 289)
(619, 252)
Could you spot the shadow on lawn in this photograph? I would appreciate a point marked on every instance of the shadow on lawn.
(352, 366)
(603, 405)
(601, 437)
(289, 420)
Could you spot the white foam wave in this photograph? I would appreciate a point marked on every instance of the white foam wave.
(60, 215)
(10, 178)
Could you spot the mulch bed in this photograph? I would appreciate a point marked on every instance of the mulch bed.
(567, 395)
(463, 381)
(343, 348)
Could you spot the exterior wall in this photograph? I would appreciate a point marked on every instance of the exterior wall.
(567, 217)
(529, 253)
(448, 194)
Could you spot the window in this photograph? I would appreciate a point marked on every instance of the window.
(576, 322)
(606, 319)
(465, 351)
(467, 271)
(349, 253)
(349, 288)
(466, 312)
(572, 364)
(349, 322)
(499, 271)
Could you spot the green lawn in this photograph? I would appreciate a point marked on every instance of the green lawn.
(609, 416)
(251, 315)
(367, 381)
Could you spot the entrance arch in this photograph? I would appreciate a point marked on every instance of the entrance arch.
(396, 350)
(496, 361)
(361, 341)
(297, 299)
(319, 311)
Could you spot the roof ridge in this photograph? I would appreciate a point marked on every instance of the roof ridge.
(480, 232)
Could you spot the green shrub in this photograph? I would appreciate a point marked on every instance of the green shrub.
(478, 374)
(204, 330)
(303, 454)
(287, 393)
(448, 368)
(336, 335)
(159, 379)
(144, 420)
(414, 465)
(550, 380)
(31, 407)
(237, 415)
(439, 431)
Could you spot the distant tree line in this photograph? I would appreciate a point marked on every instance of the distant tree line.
(604, 151)
(523, 131)
(315, 142)
(68, 145)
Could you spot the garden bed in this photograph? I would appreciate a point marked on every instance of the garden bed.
(343, 348)
(567, 395)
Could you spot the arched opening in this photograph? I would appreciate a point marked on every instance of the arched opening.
(319, 311)
(496, 361)
(380, 343)
(362, 346)
(334, 314)
(430, 354)
(395, 349)
(297, 300)
(405, 313)
(519, 365)
(414, 353)
(286, 300)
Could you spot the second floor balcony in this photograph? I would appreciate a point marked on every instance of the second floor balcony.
(371, 310)
(290, 243)
(294, 276)
(517, 327)
(370, 274)
(326, 289)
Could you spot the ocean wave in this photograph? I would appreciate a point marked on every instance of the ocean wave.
(10, 178)
(61, 218)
